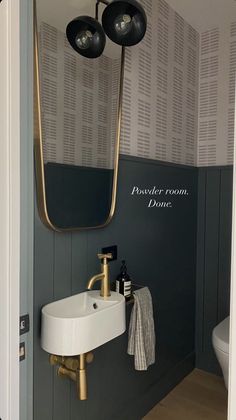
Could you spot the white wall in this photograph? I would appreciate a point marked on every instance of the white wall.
(10, 207)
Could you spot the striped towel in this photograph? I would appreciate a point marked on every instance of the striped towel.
(142, 340)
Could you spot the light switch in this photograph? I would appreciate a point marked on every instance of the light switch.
(24, 324)
(22, 351)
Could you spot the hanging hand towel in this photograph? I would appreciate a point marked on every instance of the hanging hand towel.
(142, 340)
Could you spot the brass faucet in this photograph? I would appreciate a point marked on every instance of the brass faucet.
(74, 367)
(103, 276)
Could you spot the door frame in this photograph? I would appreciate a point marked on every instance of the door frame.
(10, 128)
(9, 207)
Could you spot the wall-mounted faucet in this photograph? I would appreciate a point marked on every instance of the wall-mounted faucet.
(103, 276)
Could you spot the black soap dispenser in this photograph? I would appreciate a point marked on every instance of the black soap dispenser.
(123, 282)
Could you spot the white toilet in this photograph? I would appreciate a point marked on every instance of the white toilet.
(220, 341)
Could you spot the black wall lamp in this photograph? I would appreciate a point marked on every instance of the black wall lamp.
(123, 21)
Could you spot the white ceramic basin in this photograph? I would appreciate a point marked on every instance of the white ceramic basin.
(80, 323)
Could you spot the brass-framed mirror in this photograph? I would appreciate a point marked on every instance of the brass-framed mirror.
(77, 121)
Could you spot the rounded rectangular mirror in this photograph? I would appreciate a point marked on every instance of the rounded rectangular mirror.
(77, 120)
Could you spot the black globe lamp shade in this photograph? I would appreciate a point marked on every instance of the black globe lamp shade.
(86, 36)
(124, 22)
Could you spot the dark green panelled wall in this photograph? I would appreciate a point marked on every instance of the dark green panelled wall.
(181, 253)
(213, 259)
(159, 245)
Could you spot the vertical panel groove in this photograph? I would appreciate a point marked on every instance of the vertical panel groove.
(219, 243)
(53, 286)
(204, 264)
(72, 268)
(214, 254)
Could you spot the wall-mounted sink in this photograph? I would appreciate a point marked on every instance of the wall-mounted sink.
(80, 323)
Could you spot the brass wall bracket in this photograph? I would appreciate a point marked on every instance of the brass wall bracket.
(74, 368)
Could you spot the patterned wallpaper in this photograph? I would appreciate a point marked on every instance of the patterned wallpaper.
(178, 103)
(160, 95)
(79, 103)
(161, 89)
(216, 96)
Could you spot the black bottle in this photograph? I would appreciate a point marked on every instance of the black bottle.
(123, 282)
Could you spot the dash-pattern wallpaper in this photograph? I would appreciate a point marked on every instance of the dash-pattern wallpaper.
(159, 102)
(178, 101)
(217, 95)
(161, 89)
(79, 103)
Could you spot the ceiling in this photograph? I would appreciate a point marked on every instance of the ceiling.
(59, 12)
(205, 14)
(201, 14)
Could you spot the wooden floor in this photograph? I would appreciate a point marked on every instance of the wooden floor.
(199, 396)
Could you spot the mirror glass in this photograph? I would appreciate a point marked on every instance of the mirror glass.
(80, 117)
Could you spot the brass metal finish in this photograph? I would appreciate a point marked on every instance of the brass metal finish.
(72, 363)
(74, 368)
(56, 360)
(104, 256)
(38, 142)
(82, 379)
(69, 362)
(38, 136)
(103, 276)
(64, 372)
(89, 357)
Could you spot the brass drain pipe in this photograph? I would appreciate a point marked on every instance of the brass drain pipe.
(82, 378)
(74, 368)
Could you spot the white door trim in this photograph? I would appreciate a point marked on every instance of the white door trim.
(9, 207)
